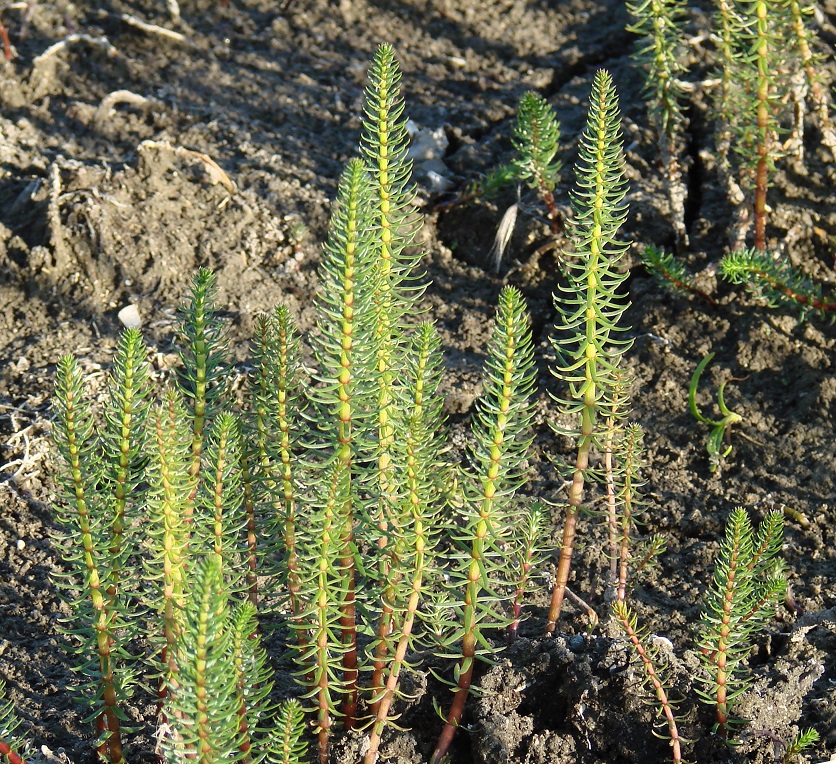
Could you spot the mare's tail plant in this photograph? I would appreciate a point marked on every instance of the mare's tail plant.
(748, 582)
(588, 342)
(202, 378)
(412, 557)
(803, 740)
(495, 470)
(529, 553)
(100, 480)
(754, 50)
(536, 138)
(370, 466)
(659, 23)
(273, 433)
(672, 273)
(653, 673)
(777, 281)
(288, 743)
(630, 458)
(216, 711)
(804, 40)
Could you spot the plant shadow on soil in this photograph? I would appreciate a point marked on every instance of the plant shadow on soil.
(98, 209)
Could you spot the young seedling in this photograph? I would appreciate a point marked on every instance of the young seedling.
(748, 581)
(536, 138)
(654, 678)
(720, 428)
(288, 745)
(530, 553)
(801, 742)
(588, 344)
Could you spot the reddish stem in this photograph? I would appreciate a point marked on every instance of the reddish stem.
(676, 749)
(555, 220)
(7, 46)
(10, 755)
(797, 297)
(349, 633)
(761, 173)
(457, 707)
(570, 525)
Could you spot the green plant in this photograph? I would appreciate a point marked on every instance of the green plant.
(653, 675)
(748, 581)
(670, 272)
(761, 43)
(589, 346)
(173, 470)
(803, 740)
(720, 428)
(536, 135)
(495, 471)
(528, 555)
(659, 24)
(102, 472)
(804, 39)
(776, 281)
(289, 747)
(536, 138)
(629, 499)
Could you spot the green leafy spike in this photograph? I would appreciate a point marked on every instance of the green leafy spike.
(739, 602)
(202, 379)
(776, 280)
(288, 745)
(536, 138)
(203, 708)
(495, 470)
(589, 346)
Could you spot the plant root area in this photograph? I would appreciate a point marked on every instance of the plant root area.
(129, 156)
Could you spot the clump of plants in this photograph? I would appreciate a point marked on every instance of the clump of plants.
(330, 500)
(767, 87)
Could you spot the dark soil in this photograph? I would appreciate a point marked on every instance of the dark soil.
(99, 209)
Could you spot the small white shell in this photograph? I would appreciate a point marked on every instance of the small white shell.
(129, 316)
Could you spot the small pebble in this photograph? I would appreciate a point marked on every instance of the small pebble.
(576, 642)
(21, 545)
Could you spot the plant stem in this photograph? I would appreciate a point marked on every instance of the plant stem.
(570, 523)
(765, 60)
(627, 623)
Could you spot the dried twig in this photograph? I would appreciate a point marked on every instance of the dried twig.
(144, 26)
(116, 97)
(216, 173)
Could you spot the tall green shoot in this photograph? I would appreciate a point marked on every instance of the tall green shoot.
(588, 342)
